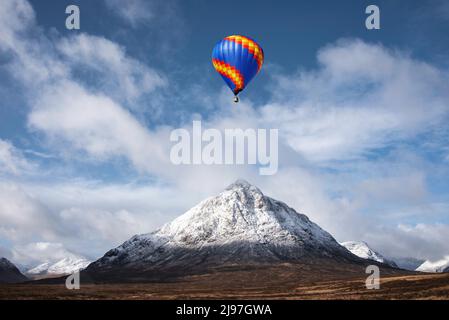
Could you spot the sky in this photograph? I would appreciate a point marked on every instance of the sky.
(85, 119)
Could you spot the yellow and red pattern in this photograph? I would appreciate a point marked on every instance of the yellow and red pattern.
(230, 72)
(252, 47)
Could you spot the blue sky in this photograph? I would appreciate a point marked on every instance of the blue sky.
(85, 117)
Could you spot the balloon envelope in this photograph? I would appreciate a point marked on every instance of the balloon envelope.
(237, 59)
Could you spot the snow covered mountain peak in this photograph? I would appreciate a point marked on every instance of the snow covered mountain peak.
(363, 250)
(238, 224)
(242, 213)
(242, 184)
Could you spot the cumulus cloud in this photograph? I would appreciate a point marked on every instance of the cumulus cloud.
(349, 107)
(423, 241)
(27, 49)
(22, 216)
(94, 124)
(117, 72)
(107, 224)
(34, 253)
(87, 217)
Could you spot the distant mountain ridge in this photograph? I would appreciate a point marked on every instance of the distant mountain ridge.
(65, 266)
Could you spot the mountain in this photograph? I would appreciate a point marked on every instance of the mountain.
(363, 250)
(407, 263)
(9, 272)
(64, 266)
(436, 266)
(238, 227)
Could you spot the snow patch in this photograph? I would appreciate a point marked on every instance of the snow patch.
(64, 266)
(435, 266)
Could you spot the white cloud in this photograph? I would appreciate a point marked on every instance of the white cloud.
(87, 217)
(34, 253)
(94, 124)
(400, 190)
(350, 107)
(16, 16)
(111, 227)
(118, 72)
(424, 241)
(134, 12)
(31, 59)
(12, 160)
(22, 216)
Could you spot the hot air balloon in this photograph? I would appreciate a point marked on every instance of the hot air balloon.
(237, 59)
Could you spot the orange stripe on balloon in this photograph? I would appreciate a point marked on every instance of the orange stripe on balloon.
(230, 72)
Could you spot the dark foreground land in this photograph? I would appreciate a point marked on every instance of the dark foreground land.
(277, 282)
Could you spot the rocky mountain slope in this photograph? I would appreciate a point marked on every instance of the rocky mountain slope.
(9, 272)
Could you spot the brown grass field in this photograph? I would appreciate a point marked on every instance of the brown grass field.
(280, 282)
